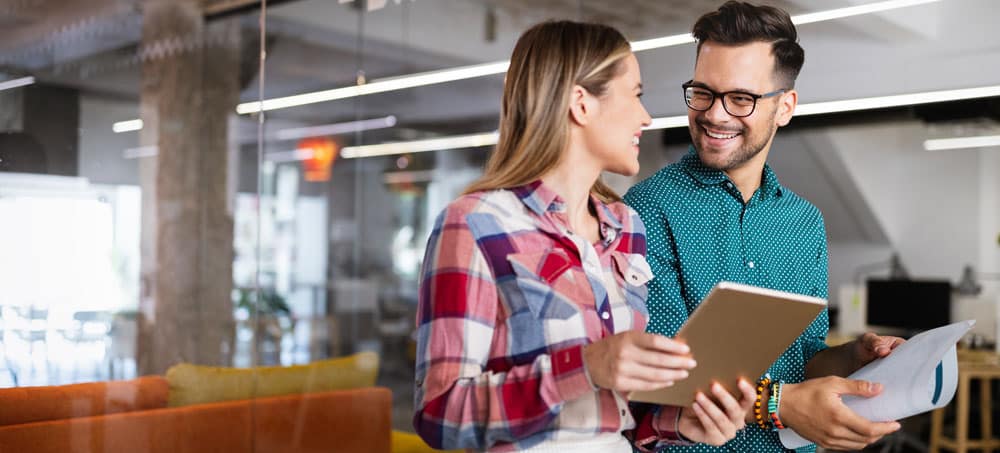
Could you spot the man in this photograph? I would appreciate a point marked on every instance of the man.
(721, 214)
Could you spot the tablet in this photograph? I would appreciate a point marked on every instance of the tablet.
(737, 331)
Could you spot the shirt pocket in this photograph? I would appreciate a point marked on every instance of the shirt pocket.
(536, 276)
(633, 273)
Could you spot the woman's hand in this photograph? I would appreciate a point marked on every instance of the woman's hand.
(716, 422)
(635, 361)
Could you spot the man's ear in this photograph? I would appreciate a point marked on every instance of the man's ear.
(580, 108)
(786, 107)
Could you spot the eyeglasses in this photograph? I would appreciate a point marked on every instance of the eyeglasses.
(736, 103)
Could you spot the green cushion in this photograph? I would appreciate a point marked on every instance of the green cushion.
(196, 384)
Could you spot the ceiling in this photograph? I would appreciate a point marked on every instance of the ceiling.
(314, 45)
(94, 46)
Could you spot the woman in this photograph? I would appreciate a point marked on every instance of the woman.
(532, 297)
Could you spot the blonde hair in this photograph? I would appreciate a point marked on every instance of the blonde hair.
(548, 60)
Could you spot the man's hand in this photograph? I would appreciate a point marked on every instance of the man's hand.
(633, 361)
(715, 423)
(849, 357)
(815, 411)
(869, 347)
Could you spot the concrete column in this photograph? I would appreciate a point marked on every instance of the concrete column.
(190, 74)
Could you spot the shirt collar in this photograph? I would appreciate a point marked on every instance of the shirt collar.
(769, 184)
(540, 199)
(709, 176)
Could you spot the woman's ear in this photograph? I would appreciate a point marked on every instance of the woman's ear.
(580, 109)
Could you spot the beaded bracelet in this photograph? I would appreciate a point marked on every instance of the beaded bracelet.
(762, 384)
(773, 403)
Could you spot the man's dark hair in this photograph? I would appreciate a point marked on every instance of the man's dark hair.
(738, 23)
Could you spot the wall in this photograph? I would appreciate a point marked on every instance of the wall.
(928, 202)
(101, 149)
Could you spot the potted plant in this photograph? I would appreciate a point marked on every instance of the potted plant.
(273, 319)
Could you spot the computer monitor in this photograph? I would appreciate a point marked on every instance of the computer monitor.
(909, 306)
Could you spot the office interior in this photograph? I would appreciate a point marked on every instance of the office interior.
(154, 212)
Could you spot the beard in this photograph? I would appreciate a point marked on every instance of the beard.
(752, 145)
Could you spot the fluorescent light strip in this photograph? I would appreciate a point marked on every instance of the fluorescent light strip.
(336, 128)
(290, 155)
(849, 11)
(417, 146)
(140, 152)
(15, 83)
(670, 122)
(983, 141)
(275, 156)
(850, 105)
(294, 133)
(666, 41)
(899, 100)
(127, 126)
(499, 67)
(821, 16)
(667, 122)
(377, 86)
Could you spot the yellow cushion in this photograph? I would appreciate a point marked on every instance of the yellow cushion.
(196, 384)
(404, 442)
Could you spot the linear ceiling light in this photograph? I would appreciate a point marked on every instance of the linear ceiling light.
(377, 86)
(127, 126)
(982, 141)
(293, 133)
(499, 67)
(665, 41)
(335, 128)
(858, 10)
(670, 122)
(850, 105)
(898, 100)
(417, 146)
(14, 83)
(140, 152)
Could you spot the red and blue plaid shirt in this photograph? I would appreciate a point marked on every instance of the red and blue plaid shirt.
(508, 298)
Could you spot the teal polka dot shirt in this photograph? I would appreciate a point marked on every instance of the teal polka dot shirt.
(700, 232)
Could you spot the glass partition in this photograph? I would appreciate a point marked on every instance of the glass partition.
(169, 242)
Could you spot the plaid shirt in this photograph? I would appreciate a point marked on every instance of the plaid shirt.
(508, 298)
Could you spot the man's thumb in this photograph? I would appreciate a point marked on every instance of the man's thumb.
(863, 388)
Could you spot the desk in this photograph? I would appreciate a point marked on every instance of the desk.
(983, 366)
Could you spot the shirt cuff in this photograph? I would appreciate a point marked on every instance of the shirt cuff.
(657, 428)
(666, 423)
(571, 377)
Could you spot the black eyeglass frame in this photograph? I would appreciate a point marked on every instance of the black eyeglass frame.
(716, 95)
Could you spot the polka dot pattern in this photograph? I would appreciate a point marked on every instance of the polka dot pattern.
(700, 232)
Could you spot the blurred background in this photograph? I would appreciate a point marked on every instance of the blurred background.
(154, 212)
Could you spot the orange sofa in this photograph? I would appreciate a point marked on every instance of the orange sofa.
(132, 416)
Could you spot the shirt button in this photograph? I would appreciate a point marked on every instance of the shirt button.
(623, 412)
(729, 185)
(750, 264)
(605, 315)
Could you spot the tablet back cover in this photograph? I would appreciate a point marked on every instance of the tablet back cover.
(738, 330)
